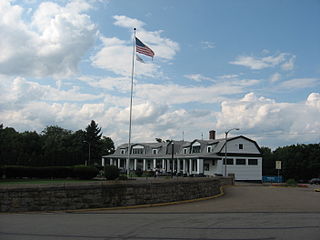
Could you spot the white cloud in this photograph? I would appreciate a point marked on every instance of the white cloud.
(198, 77)
(178, 94)
(268, 120)
(229, 76)
(275, 77)
(286, 59)
(300, 83)
(289, 65)
(116, 55)
(207, 44)
(18, 91)
(127, 22)
(51, 45)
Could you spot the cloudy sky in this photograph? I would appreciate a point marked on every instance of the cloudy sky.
(254, 65)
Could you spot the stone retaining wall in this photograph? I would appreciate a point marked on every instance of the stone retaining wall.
(103, 194)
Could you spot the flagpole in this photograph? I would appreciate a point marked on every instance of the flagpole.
(131, 97)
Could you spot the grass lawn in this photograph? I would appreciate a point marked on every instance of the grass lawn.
(42, 181)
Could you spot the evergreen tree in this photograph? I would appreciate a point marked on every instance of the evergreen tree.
(93, 139)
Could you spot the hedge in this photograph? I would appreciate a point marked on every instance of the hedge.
(111, 172)
(81, 172)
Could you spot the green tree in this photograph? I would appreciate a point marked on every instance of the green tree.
(93, 139)
(10, 146)
(107, 146)
(268, 163)
(56, 142)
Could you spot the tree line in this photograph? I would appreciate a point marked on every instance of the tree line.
(300, 162)
(54, 146)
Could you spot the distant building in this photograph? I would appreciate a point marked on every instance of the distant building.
(204, 157)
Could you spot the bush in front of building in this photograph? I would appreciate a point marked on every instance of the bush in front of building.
(138, 172)
(111, 172)
(85, 172)
(291, 182)
(80, 172)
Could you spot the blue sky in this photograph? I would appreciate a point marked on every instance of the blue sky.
(254, 65)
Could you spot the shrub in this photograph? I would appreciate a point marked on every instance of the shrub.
(122, 177)
(111, 172)
(138, 172)
(85, 172)
(291, 182)
(149, 173)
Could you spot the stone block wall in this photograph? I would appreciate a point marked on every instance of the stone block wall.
(104, 194)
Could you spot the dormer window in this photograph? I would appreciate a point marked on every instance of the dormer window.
(209, 149)
(196, 147)
(154, 151)
(137, 150)
(122, 151)
(185, 150)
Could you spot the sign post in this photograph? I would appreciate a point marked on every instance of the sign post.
(278, 167)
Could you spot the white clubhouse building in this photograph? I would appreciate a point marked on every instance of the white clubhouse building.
(199, 157)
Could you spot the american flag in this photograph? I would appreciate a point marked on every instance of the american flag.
(143, 49)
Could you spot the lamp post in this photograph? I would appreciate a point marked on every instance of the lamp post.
(88, 163)
(225, 148)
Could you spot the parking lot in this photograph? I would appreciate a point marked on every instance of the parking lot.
(244, 212)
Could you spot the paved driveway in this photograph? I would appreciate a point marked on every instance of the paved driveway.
(251, 198)
(245, 212)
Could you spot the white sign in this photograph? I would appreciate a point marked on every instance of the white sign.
(278, 164)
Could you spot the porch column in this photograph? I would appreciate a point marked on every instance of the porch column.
(178, 165)
(144, 165)
(190, 166)
(110, 161)
(168, 166)
(184, 166)
(119, 163)
(102, 162)
(163, 165)
(199, 166)
(135, 164)
(154, 163)
(173, 165)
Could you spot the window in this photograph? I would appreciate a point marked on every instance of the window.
(185, 150)
(229, 161)
(122, 151)
(137, 151)
(196, 149)
(252, 161)
(240, 161)
(240, 146)
(206, 167)
(209, 149)
(154, 151)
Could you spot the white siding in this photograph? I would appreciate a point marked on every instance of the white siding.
(248, 146)
(246, 172)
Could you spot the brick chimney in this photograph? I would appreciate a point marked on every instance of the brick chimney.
(212, 134)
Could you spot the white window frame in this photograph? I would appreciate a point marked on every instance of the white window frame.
(139, 147)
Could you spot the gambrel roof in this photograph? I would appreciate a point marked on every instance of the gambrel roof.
(164, 149)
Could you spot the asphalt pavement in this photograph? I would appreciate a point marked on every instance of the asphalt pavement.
(251, 212)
